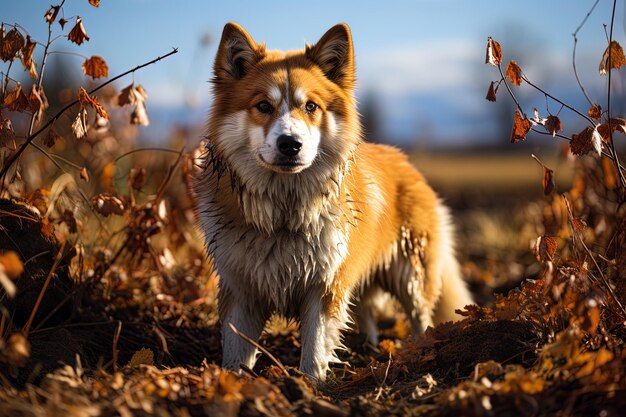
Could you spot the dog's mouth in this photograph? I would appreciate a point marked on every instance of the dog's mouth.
(283, 166)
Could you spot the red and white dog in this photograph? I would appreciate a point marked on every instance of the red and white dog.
(304, 219)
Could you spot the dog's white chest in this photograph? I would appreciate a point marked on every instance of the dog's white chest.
(276, 270)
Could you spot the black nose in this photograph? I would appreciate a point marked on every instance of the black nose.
(288, 145)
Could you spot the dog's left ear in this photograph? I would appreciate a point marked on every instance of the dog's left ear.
(334, 54)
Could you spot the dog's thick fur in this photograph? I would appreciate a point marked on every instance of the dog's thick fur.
(308, 228)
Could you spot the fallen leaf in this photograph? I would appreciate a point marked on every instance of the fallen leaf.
(95, 67)
(545, 248)
(595, 112)
(617, 58)
(78, 34)
(553, 125)
(11, 44)
(494, 52)
(548, 181)
(493, 89)
(514, 73)
(144, 356)
(520, 127)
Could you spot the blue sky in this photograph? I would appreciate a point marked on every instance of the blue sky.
(423, 60)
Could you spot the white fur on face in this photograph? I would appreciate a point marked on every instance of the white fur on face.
(266, 146)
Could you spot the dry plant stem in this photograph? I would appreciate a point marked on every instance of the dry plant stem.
(580, 84)
(116, 338)
(145, 149)
(261, 348)
(167, 179)
(506, 84)
(32, 136)
(622, 180)
(57, 260)
(559, 101)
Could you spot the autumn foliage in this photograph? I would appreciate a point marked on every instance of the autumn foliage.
(107, 300)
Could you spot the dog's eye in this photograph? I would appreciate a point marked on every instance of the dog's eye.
(264, 107)
(310, 106)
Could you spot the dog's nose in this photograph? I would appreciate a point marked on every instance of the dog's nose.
(288, 145)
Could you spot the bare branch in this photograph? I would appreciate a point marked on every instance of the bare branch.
(32, 136)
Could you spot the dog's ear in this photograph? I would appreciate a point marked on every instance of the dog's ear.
(236, 54)
(334, 54)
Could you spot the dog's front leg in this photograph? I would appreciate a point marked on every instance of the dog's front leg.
(248, 320)
(321, 325)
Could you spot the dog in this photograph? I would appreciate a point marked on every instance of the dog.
(304, 219)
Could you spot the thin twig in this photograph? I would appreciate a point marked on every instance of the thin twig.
(578, 235)
(580, 84)
(261, 348)
(622, 180)
(31, 137)
(506, 84)
(589, 119)
(57, 260)
(145, 149)
(167, 179)
(116, 338)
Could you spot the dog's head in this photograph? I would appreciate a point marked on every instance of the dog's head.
(283, 112)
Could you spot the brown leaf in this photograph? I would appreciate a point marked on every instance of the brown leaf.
(617, 58)
(51, 137)
(12, 265)
(18, 349)
(137, 178)
(553, 125)
(514, 73)
(579, 225)
(493, 89)
(62, 22)
(84, 175)
(595, 111)
(520, 127)
(144, 356)
(545, 248)
(78, 34)
(51, 14)
(16, 100)
(7, 135)
(494, 52)
(107, 204)
(548, 181)
(11, 44)
(610, 174)
(95, 67)
(581, 143)
(94, 3)
(70, 221)
(27, 55)
(618, 124)
(86, 100)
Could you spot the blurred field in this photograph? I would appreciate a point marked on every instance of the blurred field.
(467, 179)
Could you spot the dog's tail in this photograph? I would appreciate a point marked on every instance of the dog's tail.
(454, 291)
